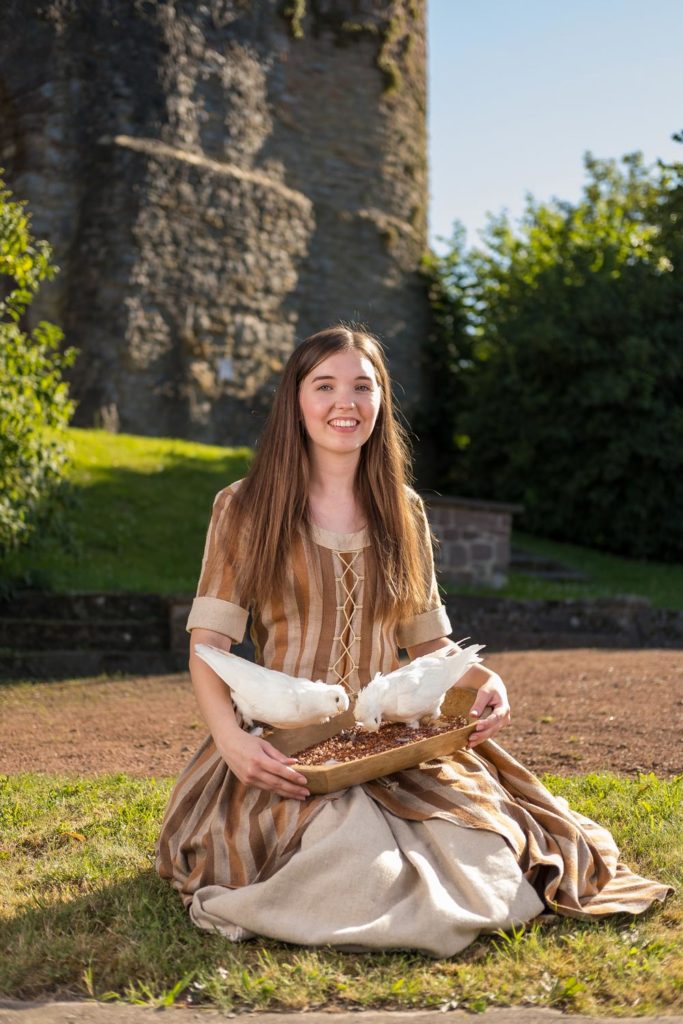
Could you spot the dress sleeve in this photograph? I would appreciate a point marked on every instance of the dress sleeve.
(433, 622)
(217, 604)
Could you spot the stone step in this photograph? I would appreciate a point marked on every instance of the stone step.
(20, 662)
(624, 621)
(499, 641)
(84, 606)
(84, 634)
(54, 665)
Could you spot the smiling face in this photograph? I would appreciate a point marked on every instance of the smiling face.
(339, 401)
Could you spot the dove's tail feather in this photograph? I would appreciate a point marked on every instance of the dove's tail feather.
(459, 662)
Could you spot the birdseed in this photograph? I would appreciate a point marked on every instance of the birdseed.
(351, 744)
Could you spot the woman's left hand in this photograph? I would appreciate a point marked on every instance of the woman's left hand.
(491, 693)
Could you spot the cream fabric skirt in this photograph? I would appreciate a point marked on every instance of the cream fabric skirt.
(364, 878)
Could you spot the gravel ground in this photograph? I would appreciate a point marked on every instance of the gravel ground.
(573, 711)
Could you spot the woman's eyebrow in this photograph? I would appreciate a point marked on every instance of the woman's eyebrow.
(329, 376)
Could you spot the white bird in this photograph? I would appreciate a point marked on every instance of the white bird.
(414, 691)
(265, 695)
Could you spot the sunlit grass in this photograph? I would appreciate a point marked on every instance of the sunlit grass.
(82, 912)
(140, 508)
(138, 517)
(607, 576)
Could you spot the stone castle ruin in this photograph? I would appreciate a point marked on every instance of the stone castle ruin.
(218, 179)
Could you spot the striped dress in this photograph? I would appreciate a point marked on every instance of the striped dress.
(424, 859)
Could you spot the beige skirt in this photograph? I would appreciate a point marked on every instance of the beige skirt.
(364, 878)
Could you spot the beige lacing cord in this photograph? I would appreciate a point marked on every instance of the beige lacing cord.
(350, 585)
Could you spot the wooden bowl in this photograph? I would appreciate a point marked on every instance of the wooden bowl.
(326, 778)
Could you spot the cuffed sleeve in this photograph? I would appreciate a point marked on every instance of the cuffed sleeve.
(218, 615)
(433, 622)
(217, 604)
(429, 625)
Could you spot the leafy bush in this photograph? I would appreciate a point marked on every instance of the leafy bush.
(570, 392)
(34, 404)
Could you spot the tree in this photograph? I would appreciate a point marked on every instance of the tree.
(573, 400)
(35, 408)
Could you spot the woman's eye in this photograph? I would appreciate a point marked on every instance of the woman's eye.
(359, 387)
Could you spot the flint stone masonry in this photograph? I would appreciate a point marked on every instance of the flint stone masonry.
(473, 539)
(215, 190)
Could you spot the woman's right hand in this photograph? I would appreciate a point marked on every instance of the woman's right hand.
(258, 763)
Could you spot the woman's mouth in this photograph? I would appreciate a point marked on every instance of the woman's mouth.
(345, 425)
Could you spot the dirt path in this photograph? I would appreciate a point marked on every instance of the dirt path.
(103, 1013)
(574, 711)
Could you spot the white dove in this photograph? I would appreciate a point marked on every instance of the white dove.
(413, 692)
(265, 695)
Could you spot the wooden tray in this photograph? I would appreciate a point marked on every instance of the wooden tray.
(326, 778)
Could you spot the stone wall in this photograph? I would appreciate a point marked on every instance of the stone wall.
(218, 180)
(473, 539)
(52, 636)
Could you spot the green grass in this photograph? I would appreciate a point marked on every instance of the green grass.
(82, 912)
(141, 509)
(609, 576)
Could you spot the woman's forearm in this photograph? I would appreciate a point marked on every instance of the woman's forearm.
(419, 650)
(212, 694)
(215, 704)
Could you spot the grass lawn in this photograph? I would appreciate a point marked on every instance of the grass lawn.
(82, 912)
(141, 505)
(609, 575)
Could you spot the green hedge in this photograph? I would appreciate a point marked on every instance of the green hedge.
(567, 394)
(34, 404)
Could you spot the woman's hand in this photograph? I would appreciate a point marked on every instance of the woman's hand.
(491, 693)
(257, 763)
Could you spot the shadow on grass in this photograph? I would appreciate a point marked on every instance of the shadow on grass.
(135, 930)
(134, 941)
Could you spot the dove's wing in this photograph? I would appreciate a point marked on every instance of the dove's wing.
(266, 693)
(235, 671)
(401, 687)
(276, 707)
(419, 690)
(418, 686)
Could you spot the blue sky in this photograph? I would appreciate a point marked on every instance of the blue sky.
(520, 89)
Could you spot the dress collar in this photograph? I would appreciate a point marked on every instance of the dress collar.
(340, 541)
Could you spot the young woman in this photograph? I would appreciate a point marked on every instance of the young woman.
(329, 549)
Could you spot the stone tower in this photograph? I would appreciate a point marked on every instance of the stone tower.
(218, 179)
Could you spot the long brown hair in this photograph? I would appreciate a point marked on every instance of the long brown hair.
(271, 503)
